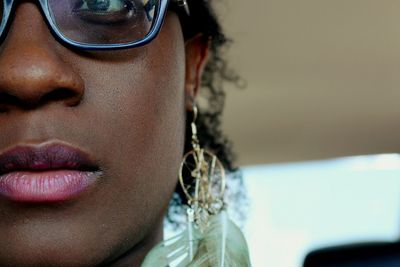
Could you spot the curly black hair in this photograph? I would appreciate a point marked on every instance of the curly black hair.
(203, 21)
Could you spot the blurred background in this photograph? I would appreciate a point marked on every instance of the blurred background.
(317, 130)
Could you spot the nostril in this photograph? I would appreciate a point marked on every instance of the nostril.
(68, 96)
(7, 100)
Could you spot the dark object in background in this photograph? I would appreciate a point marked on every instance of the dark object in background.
(356, 255)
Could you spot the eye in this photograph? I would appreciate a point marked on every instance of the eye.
(103, 5)
(105, 11)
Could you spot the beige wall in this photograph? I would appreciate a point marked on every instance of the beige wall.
(323, 78)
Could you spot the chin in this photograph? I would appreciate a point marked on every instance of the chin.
(30, 245)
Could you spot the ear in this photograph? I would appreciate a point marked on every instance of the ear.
(197, 52)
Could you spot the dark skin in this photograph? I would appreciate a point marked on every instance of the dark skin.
(126, 109)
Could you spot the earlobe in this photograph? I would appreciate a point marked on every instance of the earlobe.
(197, 53)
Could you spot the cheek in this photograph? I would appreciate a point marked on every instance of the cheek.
(138, 106)
(147, 115)
(138, 115)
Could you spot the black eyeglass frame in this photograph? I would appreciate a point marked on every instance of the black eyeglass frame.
(9, 6)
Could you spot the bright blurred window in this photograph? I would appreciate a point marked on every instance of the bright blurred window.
(295, 208)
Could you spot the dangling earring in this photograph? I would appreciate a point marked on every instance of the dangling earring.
(211, 238)
(205, 186)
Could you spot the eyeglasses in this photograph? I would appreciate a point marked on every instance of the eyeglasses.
(100, 24)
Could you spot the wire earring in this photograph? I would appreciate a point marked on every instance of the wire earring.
(205, 185)
(211, 239)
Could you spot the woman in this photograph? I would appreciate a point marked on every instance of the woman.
(92, 136)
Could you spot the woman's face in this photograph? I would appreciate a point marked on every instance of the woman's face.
(124, 109)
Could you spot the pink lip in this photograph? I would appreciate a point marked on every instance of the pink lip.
(47, 173)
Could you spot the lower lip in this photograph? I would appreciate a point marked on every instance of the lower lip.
(46, 186)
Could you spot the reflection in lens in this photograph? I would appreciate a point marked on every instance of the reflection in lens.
(104, 21)
(150, 7)
(2, 14)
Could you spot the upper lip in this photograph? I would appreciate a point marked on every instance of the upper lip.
(51, 156)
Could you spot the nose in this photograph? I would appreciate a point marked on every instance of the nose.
(32, 72)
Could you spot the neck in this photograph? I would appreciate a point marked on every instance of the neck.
(134, 256)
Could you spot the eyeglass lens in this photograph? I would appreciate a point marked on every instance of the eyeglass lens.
(104, 21)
